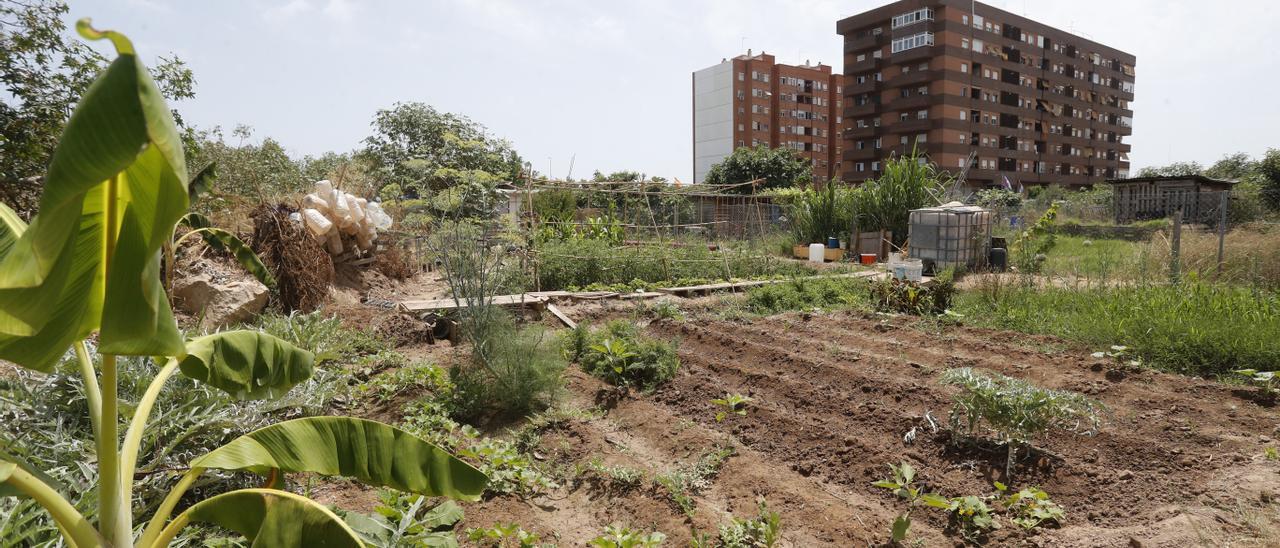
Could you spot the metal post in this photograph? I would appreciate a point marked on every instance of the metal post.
(1223, 202)
(1176, 262)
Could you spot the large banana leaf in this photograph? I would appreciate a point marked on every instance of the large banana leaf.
(119, 164)
(249, 365)
(11, 228)
(369, 451)
(272, 518)
(221, 240)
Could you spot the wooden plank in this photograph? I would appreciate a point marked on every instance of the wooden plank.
(555, 311)
(450, 304)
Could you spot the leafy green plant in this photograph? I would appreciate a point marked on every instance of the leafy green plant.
(807, 294)
(666, 310)
(923, 299)
(1030, 506)
(731, 404)
(620, 355)
(406, 521)
(908, 182)
(1265, 380)
(970, 514)
(622, 537)
(903, 486)
(616, 476)
(1029, 250)
(502, 535)
(762, 531)
(90, 262)
(685, 482)
(817, 214)
(1271, 453)
(1015, 410)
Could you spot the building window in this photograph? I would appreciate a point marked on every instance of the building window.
(914, 41)
(922, 115)
(875, 166)
(921, 138)
(741, 127)
(860, 166)
(742, 76)
(903, 140)
(964, 68)
(977, 45)
(912, 17)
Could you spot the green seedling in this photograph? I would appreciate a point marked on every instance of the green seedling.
(1266, 380)
(1031, 507)
(622, 537)
(970, 514)
(503, 535)
(731, 404)
(615, 353)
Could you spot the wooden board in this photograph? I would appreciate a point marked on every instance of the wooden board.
(734, 286)
(555, 311)
(450, 304)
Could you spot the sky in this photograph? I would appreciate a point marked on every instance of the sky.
(606, 85)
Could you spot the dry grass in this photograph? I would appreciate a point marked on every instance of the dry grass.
(1251, 256)
(301, 266)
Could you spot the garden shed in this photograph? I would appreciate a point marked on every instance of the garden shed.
(1143, 198)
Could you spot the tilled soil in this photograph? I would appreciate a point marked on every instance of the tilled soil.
(1178, 462)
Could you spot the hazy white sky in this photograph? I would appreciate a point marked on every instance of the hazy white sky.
(609, 82)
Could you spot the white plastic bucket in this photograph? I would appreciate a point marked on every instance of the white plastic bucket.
(913, 270)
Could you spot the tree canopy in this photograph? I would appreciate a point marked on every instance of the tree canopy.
(779, 167)
(44, 71)
(421, 149)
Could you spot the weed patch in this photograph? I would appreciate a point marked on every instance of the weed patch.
(620, 355)
(807, 294)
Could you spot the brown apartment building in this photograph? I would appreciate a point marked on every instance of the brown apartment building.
(976, 87)
(751, 100)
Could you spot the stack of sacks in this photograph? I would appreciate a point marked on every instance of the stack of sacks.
(328, 213)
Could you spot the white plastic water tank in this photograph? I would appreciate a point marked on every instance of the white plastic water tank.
(817, 253)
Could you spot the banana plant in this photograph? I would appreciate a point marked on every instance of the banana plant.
(88, 267)
(214, 237)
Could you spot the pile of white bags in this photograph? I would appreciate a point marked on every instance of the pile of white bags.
(328, 213)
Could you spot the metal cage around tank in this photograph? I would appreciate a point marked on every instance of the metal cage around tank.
(950, 235)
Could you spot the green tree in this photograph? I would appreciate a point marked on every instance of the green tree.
(413, 142)
(245, 169)
(779, 167)
(1233, 167)
(1176, 169)
(1268, 177)
(44, 72)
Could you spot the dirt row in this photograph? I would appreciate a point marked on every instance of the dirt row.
(1178, 463)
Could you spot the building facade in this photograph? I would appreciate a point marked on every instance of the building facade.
(986, 94)
(751, 100)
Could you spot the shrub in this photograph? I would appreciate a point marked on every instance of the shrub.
(518, 373)
(620, 355)
(931, 298)
(806, 294)
(908, 183)
(1015, 410)
(1029, 249)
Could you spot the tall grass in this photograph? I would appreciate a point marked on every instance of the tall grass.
(906, 184)
(1193, 328)
(581, 263)
(817, 214)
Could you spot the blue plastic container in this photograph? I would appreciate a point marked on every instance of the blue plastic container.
(833, 242)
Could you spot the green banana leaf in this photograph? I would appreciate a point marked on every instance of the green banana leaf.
(368, 451)
(271, 518)
(202, 182)
(249, 365)
(11, 228)
(6, 470)
(221, 240)
(119, 164)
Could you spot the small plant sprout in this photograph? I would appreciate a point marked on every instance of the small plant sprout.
(1265, 380)
(970, 514)
(1271, 453)
(503, 536)
(903, 485)
(622, 537)
(1030, 507)
(731, 404)
(759, 532)
(1120, 357)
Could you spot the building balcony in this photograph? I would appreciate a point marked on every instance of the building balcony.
(911, 126)
(856, 111)
(863, 155)
(861, 132)
(853, 88)
(914, 54)
(913, 102)
(913, 78)
(853, 45)
(870, 63)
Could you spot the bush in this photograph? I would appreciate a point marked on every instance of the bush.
(922, 299)
(807, 294)
(1191, 328)
(581, 263)
(517, 374)
(620, 355)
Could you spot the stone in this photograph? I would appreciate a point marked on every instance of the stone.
(220, 304)
(1125, 475)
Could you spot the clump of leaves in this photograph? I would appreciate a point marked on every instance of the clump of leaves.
(621, 356)
(761, 531)
(903, 485)
(411, 377)
(1029, 248)
(1120, 357)
(406, 521)
(907, 297)
(622, 537)
(1030, 506)
(1271, 453)
(683, 483)
(617, 476)
(503, 535)
(1016, 411)
(969, 514)
(666, 310)
(731, 404)
(1264, 380)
